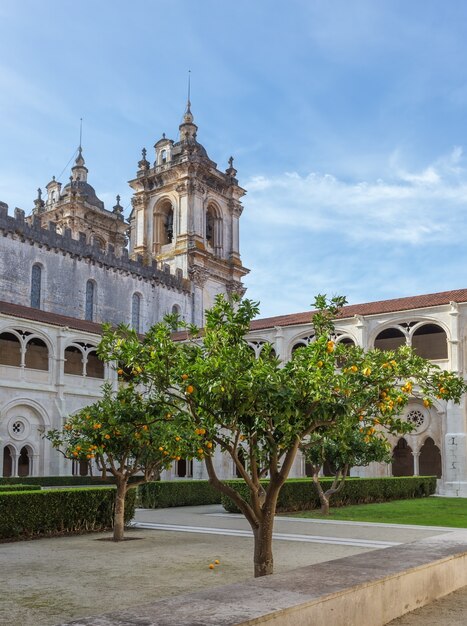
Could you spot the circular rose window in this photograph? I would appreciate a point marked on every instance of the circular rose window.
(18, 429)
(418, 419)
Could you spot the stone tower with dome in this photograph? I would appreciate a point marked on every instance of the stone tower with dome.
(186, 215)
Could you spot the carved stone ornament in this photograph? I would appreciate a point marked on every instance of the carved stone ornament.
(235, 287)
(198, 275)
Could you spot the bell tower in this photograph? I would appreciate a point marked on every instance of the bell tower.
(186, 215)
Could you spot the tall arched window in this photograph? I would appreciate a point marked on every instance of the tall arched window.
(163, 225)
(135, 311)
(36, 280)
(90, 297)
(213, 228)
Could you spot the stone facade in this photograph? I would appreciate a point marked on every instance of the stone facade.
(64, 270)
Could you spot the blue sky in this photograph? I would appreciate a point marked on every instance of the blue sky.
(346, 119)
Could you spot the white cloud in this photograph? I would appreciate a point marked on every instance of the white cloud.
(413, 206)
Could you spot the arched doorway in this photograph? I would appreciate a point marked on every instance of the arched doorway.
(430, 459)
(402, 459)
(7, 462)
(24, 462)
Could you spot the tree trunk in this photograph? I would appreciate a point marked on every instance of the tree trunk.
(324, 504)
(263, 559)
(119, 515)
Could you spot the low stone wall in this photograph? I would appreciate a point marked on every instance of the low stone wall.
(368, 589)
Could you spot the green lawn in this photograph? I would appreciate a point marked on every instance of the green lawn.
(423, 511)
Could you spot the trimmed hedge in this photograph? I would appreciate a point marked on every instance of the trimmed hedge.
(24, 515)
(5, 488)
(59, 481)
(300, 494)
(163, 494)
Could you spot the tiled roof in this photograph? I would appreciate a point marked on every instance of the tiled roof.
(368, 308)
(38, 315)
(293, 319)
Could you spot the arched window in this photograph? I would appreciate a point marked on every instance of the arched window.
(297, 346)
(37, 355)
(210, 227)
(7, 462)
(163, 225)
(213, 228)
(430, 459)
(36, 280)
(90, 297)
(98, 242)
(24, 461)
(94, 366)
(176, 311)
(390, 339)
(402, 459)
(10, 350)
(430, 342)
(347, 341)
(135, 311)
(163, 156)
(73, 361)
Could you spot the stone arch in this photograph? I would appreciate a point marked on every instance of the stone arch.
(402, 459)
(213, 226)
(429, 461)
(98, 242)
(163, 223)
(9, 457)
(74, 360)
(430, 341)
(22, 423)
(301, 340)
(10, 348)
(25, 461)
(390, 338)
(93, 366)
(346, 339)
(36, 354)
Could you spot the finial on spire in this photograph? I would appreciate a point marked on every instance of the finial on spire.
(231, 171)
(80, 133)
(144, 163)
(118, 209)
(38, 203)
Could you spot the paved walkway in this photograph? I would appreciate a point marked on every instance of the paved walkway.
(49, 581)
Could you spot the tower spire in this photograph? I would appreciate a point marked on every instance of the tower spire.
(188, 127)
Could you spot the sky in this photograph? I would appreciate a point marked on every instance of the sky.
(346, 119)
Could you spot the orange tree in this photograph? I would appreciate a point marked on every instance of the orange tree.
(342, 448)
(128, 435)
(258, 411)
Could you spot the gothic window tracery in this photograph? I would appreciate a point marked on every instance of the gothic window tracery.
(428, 340)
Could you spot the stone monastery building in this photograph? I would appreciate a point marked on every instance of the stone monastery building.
(72, 264)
